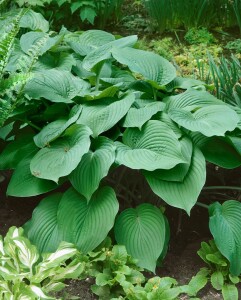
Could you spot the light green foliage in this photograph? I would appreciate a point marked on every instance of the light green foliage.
(199, 36)
(218, 272)
(234, 46)
(94, 102)
(26, 274)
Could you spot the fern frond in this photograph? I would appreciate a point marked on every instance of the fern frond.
(27, 61)
(7, 41)
(5, 109)
(13, 83)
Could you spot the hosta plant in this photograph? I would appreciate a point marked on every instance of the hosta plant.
(95, 105)
(26, 274)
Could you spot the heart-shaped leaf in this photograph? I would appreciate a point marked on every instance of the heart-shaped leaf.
(182, 194)
(93, 167)
(63, 155)
(225, 226)
(142, 231)
(154, 147)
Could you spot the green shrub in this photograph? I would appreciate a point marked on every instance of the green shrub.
(199, 36)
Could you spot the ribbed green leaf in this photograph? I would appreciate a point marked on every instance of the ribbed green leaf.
(179, 172)
(225, 226)
(154, 147)
(104, 52)
(60, 61)
(63, 155)
(236, 142)
(88, 41)
(56, 86)
(192, 98)
(218, 150)
(24, 184)
(209, 120)
(93, 167)
(34, 21)
(103, 114)
(229, 292)
(182, 194)
(142, 231)
(53, 130)
(73, 220)
(136, 117)
(152, 66)
(41, 229)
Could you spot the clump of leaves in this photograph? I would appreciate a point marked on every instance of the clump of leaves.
(199, 36)
(218, 271)
(26, 274)
(234, 46)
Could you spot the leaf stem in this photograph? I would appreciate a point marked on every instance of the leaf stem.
(222, 188)
(202, 205)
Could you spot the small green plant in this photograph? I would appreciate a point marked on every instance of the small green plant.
(234, 46)
(26, 274)
(199, 36)
(218, 271)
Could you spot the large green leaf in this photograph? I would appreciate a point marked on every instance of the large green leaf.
(182, 194)
(152, 66)
(34, 21)
(142, 231)
(63, 155)
(88, 41)
(192, 98)
(217, 150)
(93, 167)
(104, 52)
(103, 114)
(154, 147)
(53, 130)
(74, 220)
(56, 86)
(225, 226)
(136, 117)
(17, 150)
(24, 184)
(209, 120)
(60, 61)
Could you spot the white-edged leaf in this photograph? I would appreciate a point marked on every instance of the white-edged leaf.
(225, 226)
(63, 155)
(152, 66)
(154, 147)
(136, 117)
(103, 114)
(56, 86)
(142, 231)
(209, 120)
(93, 167)
(182, 194)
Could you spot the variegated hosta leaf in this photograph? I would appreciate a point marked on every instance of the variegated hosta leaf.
(56, 86)
(154, 147)
(93, 167)
(73, 220)
(53, 130)
(182, 194)
(225, 226)
(152, 66)
(142, 231)
(209, 120)
(63, 155)
(103, 114)
(136, 117)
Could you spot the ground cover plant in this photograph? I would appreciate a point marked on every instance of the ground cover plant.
(78, 107)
